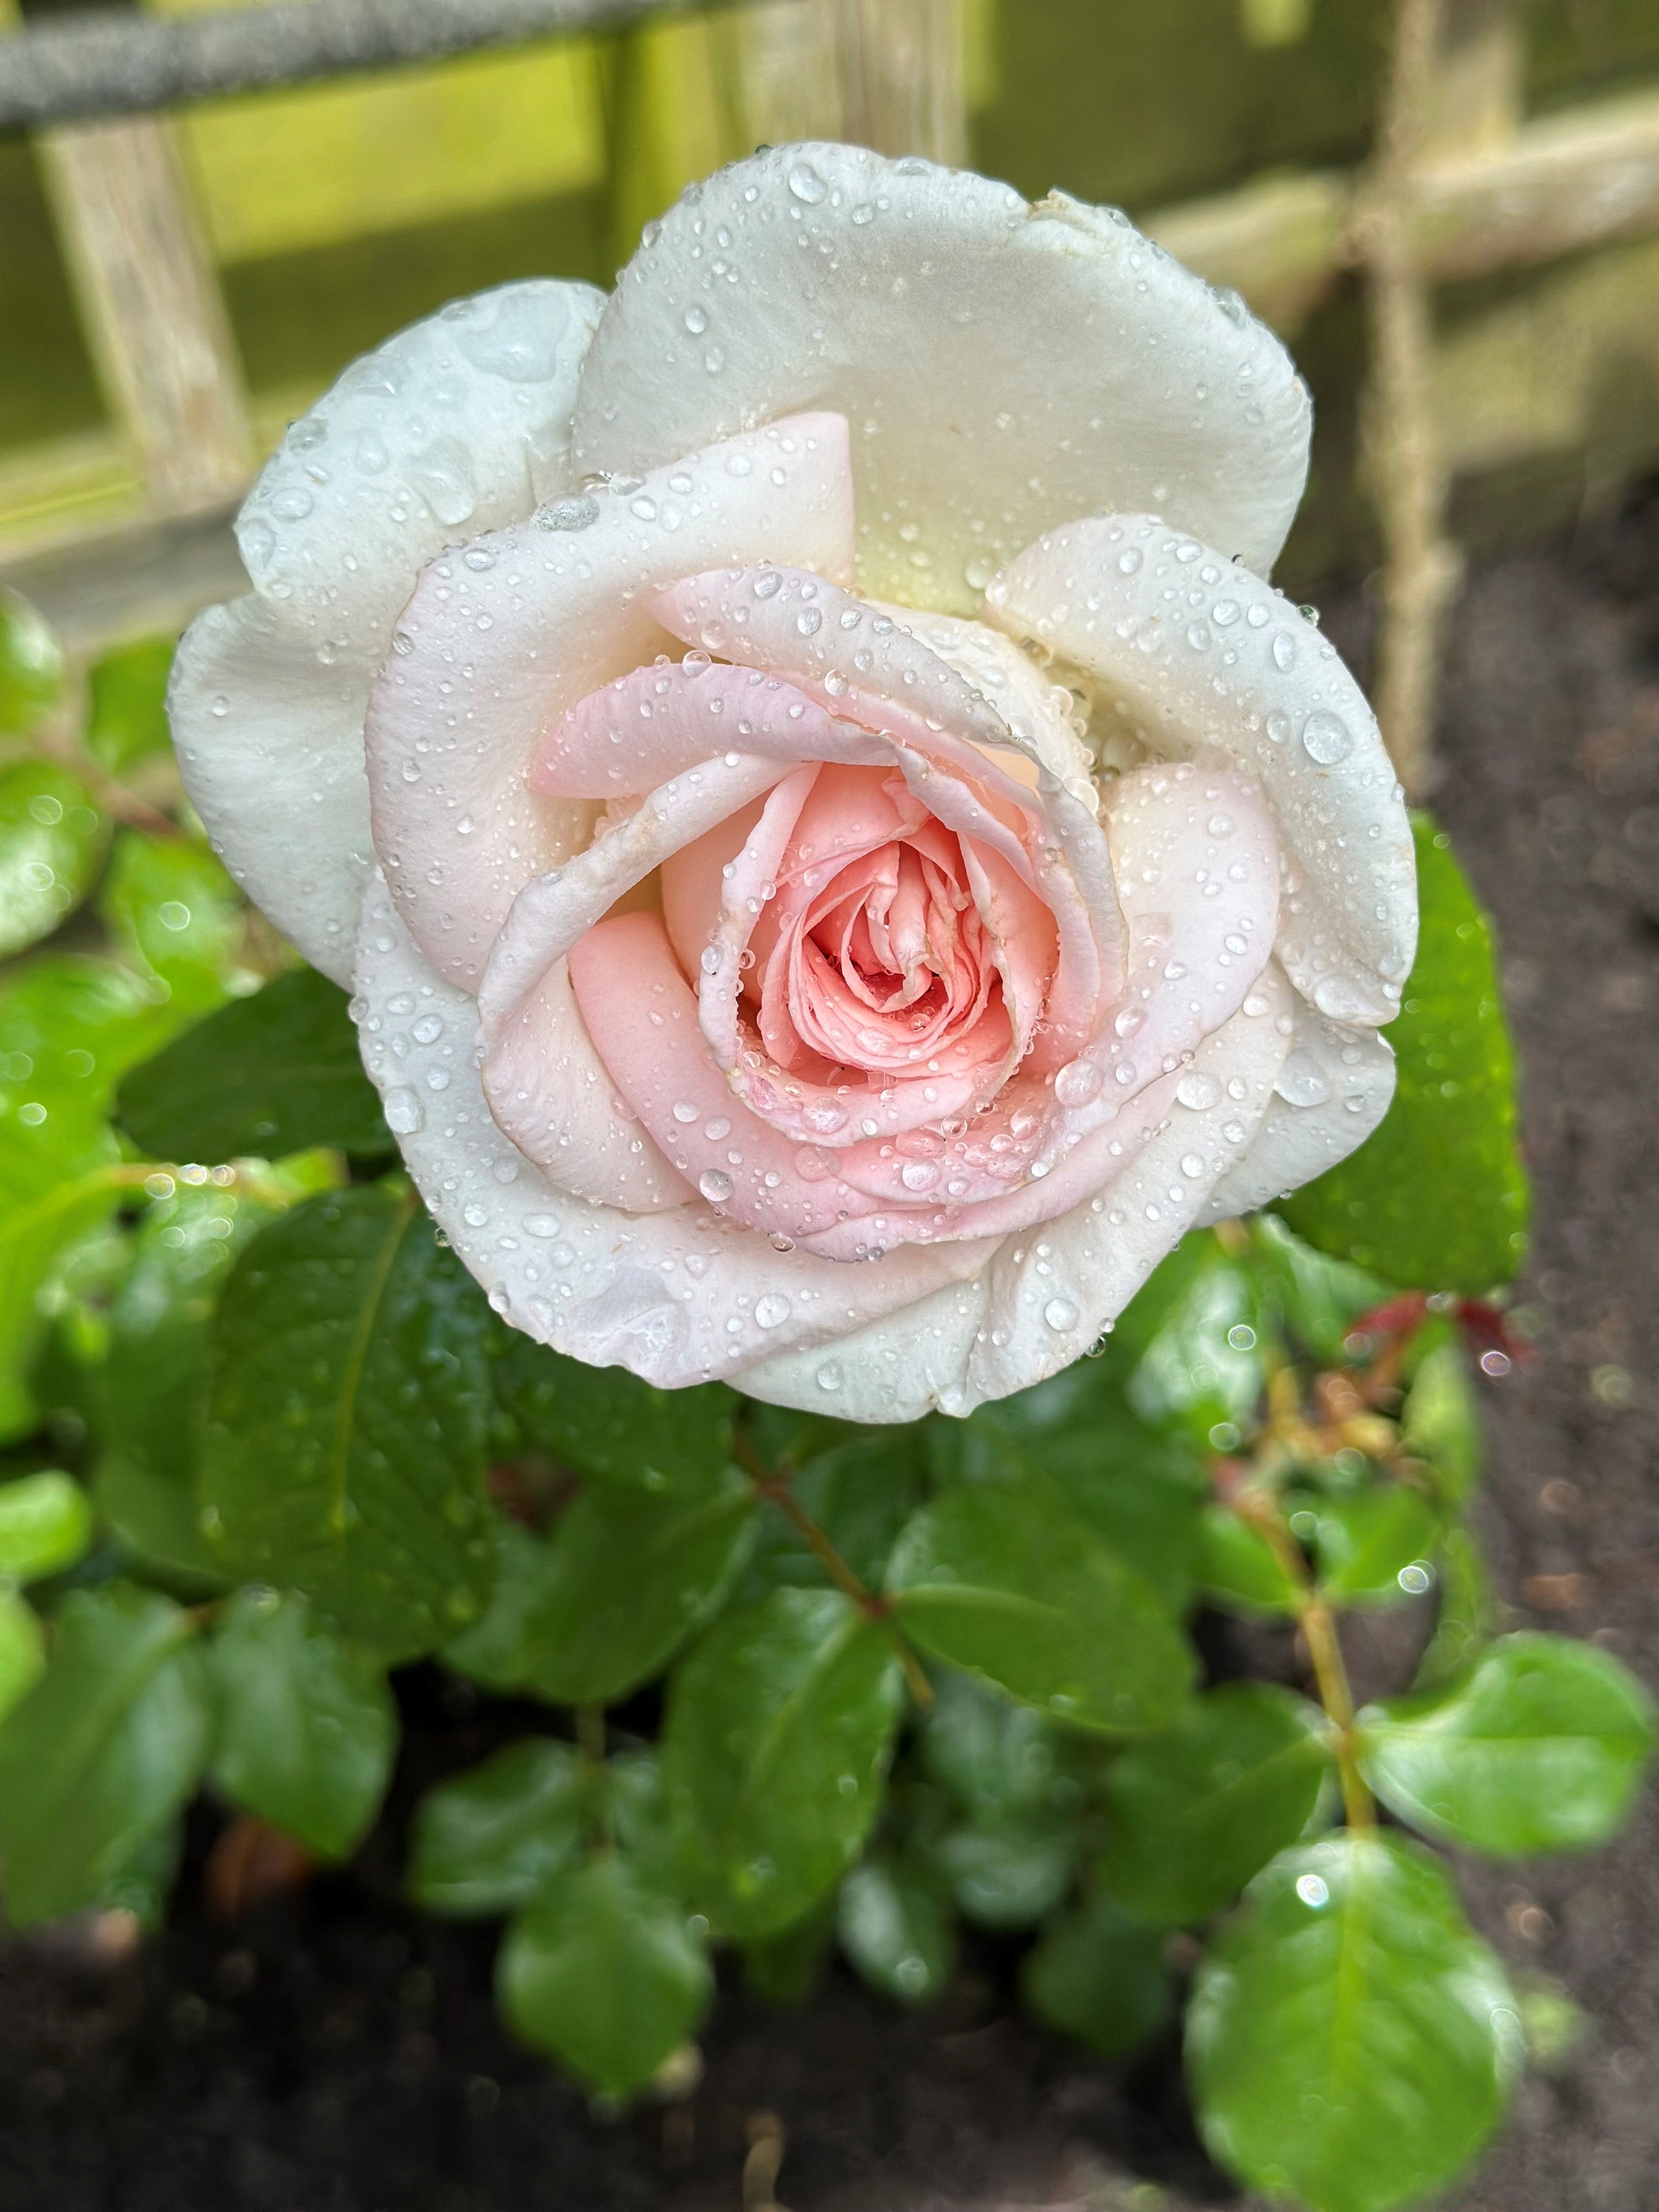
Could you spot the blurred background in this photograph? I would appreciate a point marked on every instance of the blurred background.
(308, 222)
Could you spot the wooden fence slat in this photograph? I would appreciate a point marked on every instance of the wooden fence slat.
(151, 306)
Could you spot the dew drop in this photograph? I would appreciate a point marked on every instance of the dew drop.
(1327, 739)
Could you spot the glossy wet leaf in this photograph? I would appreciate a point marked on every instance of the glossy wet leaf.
(780, 1725)
(22, 1650)
(102, 1752)
(1194, 1812)
(1008, 1873)
(631, 1576)
(604, 1974)
(31, 665)
(996, 1757)
(1351, 2042)
(487, 1840)
(273, 1073)
(606, 1423)
(307, 1726)
(896, 1930)
(344, 1454)
(155, 1373)
(1541, 1747)
(1318, 1299)
(1238, 1568)
(1004, 1580)
(1138, 1488)
(126, 705)
(1437, 1197)
(45, 1525)
(1098, 1973)
(493, 1650)
(1364, 1545)
(785, 1967)
(170, 906)
(1440, 1422)
(52, 845)
(1201, 1367)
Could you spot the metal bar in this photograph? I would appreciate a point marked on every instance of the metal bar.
(108, 63)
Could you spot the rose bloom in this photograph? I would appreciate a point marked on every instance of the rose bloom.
(840, 857)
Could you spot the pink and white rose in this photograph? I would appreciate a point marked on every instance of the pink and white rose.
(840, 858)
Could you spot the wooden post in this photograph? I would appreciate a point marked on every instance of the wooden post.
(902, 85)
(789, 72)
(1402, 459)
(150, 306)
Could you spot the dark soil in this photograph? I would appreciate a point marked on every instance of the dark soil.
(328, 2053)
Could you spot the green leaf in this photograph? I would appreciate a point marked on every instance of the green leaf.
(345, 1433)
(1441, 1422)
(306, 1725)
(632, 1576)
(102, 1752)
(1349, 2041)
(1138, 1488)
(1201, 1367)
(67, 1027)
(1004, 1579)
(154, 1376)
(780, 1727)
(606, 1423)
(489, 1840)
(997, 1758)
(31, 665)
(1239, 1569)
(492, 1650)
(896, 1930)
(1364, 1545)
(45, 1525)
(22, 1651)
(1098, 1974)
(1009, 1873)
(170, 905)
(1318, 1299)
(860, 1491)
(785, 1968)
(604, 1974)
(1465, 1615)
(127, 714)
(1196, 1812)
(1540, 1747)
(273, 1073)
(51, 842)
(1437, 1197)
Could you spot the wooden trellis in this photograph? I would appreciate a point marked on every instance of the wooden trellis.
(1460, 186)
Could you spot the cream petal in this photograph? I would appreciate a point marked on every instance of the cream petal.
(502, 637)
(461, 422)
(1332, 1091)
(1005, 368)
(1200, 660)
(676, 1296)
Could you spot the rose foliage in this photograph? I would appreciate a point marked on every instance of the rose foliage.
(850, 886)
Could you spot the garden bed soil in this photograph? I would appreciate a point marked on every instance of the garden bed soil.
(327, 2052)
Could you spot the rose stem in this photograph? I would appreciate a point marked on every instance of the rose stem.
(774, 1483)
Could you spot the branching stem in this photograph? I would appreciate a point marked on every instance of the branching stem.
(774, 1483)
(1317, 1621)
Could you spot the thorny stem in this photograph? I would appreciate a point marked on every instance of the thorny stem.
(774, 1483)
(1317, 1622)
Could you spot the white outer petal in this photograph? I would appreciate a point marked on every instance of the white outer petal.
(1298, 1141)
(676, 1296)
(462, 421)
(1050, 1291)
(1004, 368)
(1135, 605)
